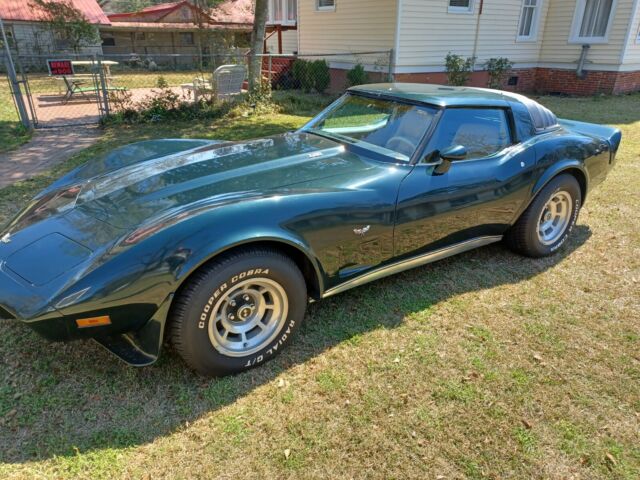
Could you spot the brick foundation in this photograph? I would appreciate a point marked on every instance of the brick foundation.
(539, 80)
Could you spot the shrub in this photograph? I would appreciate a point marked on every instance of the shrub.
(161, 82)
(300, 72)
(497, 68)
(458, 69)
(357, 76)
(311, 75)
(320, 76)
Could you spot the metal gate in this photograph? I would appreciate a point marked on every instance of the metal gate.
(65, 98)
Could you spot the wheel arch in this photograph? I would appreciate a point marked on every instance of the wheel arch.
(571, 167)
(304, 260)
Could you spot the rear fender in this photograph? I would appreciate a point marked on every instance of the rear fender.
(550, 173)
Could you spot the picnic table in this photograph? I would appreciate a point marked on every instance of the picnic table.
(77, 83)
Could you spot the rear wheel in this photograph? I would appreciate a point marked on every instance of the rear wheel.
(238, 312)
(546, 224)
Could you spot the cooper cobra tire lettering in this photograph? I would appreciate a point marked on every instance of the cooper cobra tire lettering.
(195, 317)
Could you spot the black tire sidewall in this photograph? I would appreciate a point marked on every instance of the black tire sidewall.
(562, 183)
(204, 356)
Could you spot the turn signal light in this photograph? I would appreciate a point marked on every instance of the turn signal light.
(94, 321)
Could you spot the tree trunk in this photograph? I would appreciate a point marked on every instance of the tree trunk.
(257, 44)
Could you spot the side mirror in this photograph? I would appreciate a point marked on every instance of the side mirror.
(448, 155)
(457, 152)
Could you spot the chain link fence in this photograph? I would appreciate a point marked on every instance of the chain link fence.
(100, 85)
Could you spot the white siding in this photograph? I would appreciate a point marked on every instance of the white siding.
(355, 25)
(428, 32)
(557, 46)
(289, 42)
(632, 55)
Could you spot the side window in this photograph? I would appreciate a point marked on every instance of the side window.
(482, 131)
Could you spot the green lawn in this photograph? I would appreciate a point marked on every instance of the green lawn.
(486, 365)
(12, 134)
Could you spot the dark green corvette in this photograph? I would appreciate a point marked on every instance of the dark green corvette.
(217, 246)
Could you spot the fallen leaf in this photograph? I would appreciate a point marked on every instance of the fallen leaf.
(287, 453)
(527, 424)
(611, 460)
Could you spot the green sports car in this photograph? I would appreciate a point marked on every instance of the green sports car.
(218, 246)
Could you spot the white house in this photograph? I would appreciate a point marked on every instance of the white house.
(568, 46)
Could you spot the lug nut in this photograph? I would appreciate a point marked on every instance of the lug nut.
(246, 298)
(231, 316)
(232, 303)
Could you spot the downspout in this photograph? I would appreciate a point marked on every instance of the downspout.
(474, 55)
(582, 60)
(396, 53)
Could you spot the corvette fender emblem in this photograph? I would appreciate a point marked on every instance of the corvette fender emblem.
(6, 238)
(362, 231)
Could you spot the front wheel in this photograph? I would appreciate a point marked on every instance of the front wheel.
(238, 311)
(546, 224)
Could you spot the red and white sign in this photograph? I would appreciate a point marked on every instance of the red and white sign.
(59, 68)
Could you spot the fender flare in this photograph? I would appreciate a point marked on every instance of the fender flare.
(549, 174)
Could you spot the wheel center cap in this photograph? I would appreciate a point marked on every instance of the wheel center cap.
(244, 312)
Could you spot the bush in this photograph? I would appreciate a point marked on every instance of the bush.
(357, 76)
(497, 68)
(311, 75)
(458, 69)
(300, 72)
(161, 105)
(161, 82)
(320, 76)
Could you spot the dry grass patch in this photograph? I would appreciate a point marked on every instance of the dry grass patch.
(487, 365)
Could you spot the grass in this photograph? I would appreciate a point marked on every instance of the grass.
(12, 133)
(486, 365)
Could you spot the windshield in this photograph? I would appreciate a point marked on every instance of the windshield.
(390, 127)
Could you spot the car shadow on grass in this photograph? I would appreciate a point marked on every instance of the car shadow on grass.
(64, 399)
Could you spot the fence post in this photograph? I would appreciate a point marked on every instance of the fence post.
(391, 59)
(15, 85)
(103, 86)
(270, 67)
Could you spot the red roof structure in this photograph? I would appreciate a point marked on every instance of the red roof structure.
(23, 10)
(239, 12)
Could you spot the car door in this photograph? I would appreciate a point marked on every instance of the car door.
(478, 195)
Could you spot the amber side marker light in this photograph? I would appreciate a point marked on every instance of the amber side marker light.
(93, 321)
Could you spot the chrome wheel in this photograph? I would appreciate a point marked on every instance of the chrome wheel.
(248, 316)
(555, 218)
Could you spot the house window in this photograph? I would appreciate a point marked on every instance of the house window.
(109, 41)
(528, 28)
(284, 12)
(277, 11)
(324, 5)
(460, 6)
(186, 38)
(292, 10)
(592, 19)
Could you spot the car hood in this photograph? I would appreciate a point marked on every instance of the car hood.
(148, 179)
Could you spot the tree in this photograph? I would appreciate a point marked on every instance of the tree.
(257, 45)
(68, 22)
